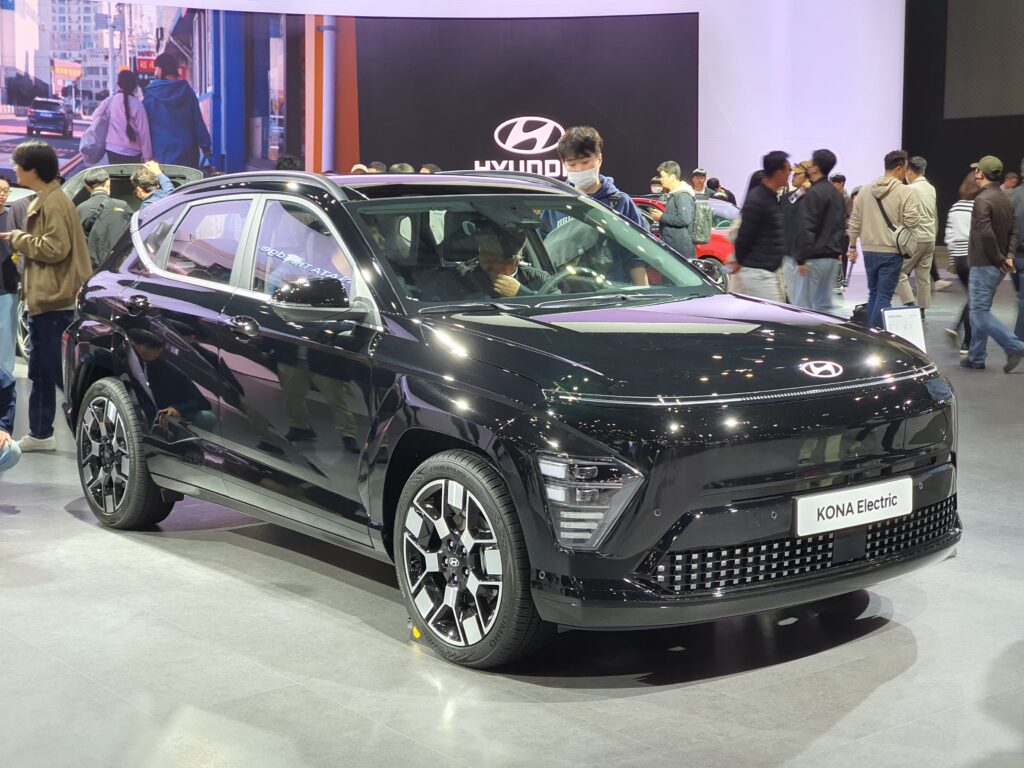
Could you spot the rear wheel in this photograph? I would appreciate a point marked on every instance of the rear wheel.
(462, 563)
(111, 462)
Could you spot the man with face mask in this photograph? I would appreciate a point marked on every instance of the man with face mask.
(581, 151)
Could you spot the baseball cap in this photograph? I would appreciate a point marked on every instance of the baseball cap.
(989, 165)
(359, 168)
(803, 166)
(699, 172)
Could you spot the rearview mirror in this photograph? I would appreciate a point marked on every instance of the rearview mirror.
(312, 299)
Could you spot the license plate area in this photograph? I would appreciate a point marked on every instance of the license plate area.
(853, 507)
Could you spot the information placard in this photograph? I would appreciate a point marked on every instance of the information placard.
(905, 322)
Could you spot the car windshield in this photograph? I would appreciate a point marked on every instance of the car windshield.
(520, 248)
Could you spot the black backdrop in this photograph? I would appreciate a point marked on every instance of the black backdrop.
(435, 90)
(950, 146)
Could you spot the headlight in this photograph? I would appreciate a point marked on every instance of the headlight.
(586, 496)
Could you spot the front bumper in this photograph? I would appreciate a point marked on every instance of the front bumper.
(629, 604)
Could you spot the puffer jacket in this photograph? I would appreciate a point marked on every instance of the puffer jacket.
(760, 243)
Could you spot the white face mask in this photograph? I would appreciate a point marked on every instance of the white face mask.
(584, 179)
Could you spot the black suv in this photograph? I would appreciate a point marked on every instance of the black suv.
(49, 115)
(541, 414)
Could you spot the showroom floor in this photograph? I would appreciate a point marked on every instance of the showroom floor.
(221, 641)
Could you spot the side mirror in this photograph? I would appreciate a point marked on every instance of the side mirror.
(711, 270)
(313, 299)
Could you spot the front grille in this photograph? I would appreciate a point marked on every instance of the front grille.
(726, 568)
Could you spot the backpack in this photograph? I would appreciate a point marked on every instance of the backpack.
(700, 229)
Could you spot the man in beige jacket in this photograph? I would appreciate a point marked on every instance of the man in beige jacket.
(920, 262)
(882, 259)
(56, 263)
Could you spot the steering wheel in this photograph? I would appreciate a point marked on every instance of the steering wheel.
(555, 279)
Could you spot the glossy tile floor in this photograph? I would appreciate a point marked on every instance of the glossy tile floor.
(221, 641)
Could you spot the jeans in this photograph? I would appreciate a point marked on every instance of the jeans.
(963, 272)
(44, 369)
(883, 270)
(9, 456)
(814, 290)
(8, 330)
(1018, 262)
(983, 284)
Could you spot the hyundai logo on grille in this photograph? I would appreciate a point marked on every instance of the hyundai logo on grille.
(821, 369)
(528, 135)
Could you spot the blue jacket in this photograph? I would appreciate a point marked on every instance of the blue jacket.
(175, 123)
(166, 187)
(7, 400)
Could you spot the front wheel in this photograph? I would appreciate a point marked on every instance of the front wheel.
(111, 461)
(462, 563)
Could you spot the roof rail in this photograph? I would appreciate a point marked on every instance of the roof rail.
(521, 175)
(306, 177)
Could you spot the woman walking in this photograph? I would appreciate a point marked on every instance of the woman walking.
(128, 130)
(958, 233)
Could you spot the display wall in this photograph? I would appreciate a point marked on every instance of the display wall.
(951, 144)
(499, 101)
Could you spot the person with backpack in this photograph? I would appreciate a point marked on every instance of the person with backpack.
(677, 218)
(103, 218)
(128, 126)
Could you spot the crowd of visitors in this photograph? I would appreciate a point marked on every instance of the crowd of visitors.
(796, 234)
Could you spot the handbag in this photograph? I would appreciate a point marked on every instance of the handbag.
(904, 237)
(94, 141)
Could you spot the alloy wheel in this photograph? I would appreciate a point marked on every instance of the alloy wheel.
(103, 454)
(453, 565)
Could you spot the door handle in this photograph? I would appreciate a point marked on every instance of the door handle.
(137, 304)
(244, 327)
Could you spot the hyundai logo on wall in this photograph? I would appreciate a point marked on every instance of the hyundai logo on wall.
(528, 135)
(821, 369)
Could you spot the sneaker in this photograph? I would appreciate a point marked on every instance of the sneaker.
(1013, 360)
(967, 363)
(964, 349)
(299, 434)
(29, 443)
(954, 336)
(941, 285)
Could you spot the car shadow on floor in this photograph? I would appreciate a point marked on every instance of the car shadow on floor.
(699, 652)
(574, 659)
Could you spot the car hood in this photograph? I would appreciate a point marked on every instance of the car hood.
(714, 347)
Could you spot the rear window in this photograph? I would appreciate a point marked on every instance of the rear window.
(53, 106)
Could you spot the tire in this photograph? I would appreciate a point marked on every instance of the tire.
(111, 460)
(472, 604)
(724, 284)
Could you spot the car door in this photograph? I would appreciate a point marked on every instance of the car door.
(172, 316)
(295, 434)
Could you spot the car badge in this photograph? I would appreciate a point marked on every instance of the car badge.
(822, 369)
(528, 135)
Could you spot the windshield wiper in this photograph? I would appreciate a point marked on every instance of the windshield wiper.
(606, 297)
(476, 306)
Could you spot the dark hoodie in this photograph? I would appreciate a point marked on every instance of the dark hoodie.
(610, 196)
(175, 123)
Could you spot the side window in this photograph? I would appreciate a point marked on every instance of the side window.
(205, 242)
(295, 241)
(155, 231)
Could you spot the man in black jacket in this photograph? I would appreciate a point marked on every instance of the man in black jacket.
(819, 242)
(990, 250)
(103, 218)
(760, 242)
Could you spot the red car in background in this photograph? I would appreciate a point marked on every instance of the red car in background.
(718, 247)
